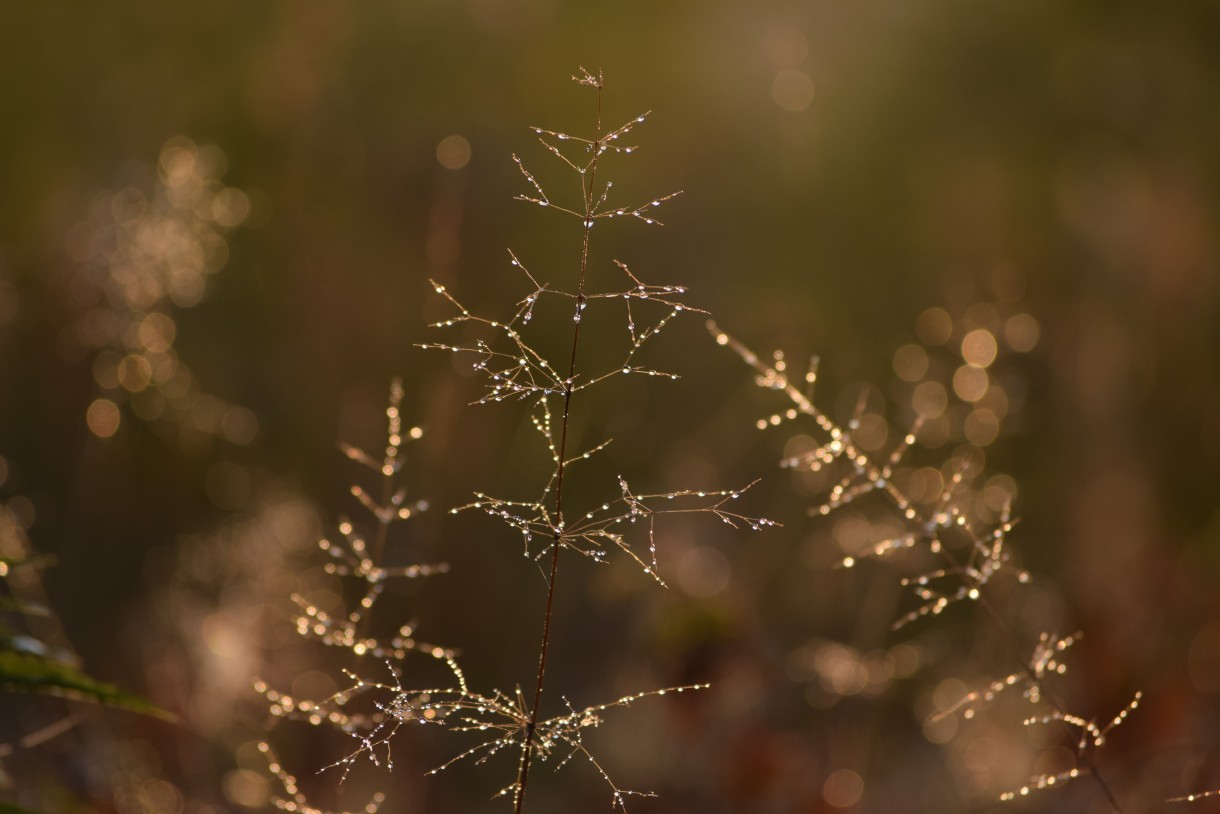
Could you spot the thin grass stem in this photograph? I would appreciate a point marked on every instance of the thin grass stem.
(556, 544)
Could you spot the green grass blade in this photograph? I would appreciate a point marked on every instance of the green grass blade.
(22, 672)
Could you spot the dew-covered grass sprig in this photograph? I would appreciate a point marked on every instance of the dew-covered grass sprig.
(551, 517)
(960, 554)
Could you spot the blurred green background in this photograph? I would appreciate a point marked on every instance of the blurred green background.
(845, 168)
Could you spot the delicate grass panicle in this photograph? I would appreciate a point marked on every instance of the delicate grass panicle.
(623, 520)
(967, 553)
(357, 559)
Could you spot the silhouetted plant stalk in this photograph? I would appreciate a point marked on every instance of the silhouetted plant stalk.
(948, 520)
(590, 178)
(514, 369)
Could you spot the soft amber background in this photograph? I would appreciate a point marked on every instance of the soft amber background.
(846, 166)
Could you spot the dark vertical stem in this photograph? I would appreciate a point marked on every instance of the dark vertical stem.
(1007, 630)
(523, 768)
(1105, 788)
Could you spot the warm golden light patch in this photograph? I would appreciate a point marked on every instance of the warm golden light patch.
(979, 348)
(453, 152)
(792, 90)
(934, 326)
(910, 363)
(843, 789)
(1021, 332)
(103, 418)
(970, 383)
